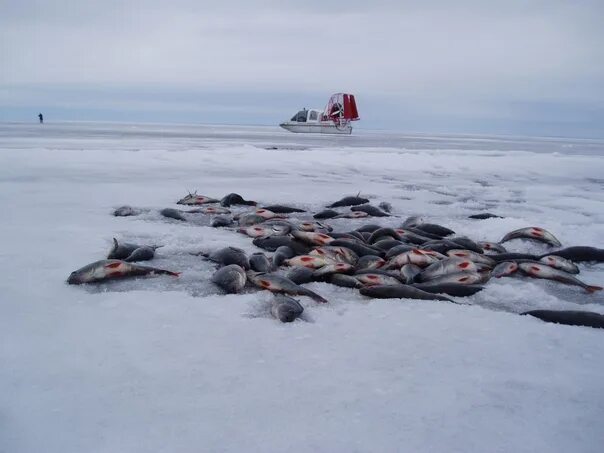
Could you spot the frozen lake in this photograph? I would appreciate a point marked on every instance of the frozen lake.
(171, 365)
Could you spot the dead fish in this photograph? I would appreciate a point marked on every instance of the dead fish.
(446, 267)
(505, 269)
(194, 199)
(126, 211)
(500, 257)
(414, 256)
(301, 275)
(409, 272)
(279, 284)
(369, 228)
(387, 244)
(370, 262)
(280, 209)
(313, 262)
(312, 238)
(266, 214)
(144, 253)
(352, 215)
(348, 201)
(281, 254)
(411, 237)
(326, 214)
(259, 231)
(535, 233)
(492, 247)
(579, 254)
(385, 206)
(373, 211)
(259, 262)
(486, 215)
(413, 221)
(461, 278)
(336, 268)
(121, 251)
(357, 247)
(230, 278)
(210, 210)
(272, 243)
(229, 255)
(314, 226)
(172, 213)
(450, 289)
(235, 199)
(399, 291)
(435, 229)
(569, 317)
(538, 270)
(467, 244)
(336, 253)
(558, 262)
(398, 250)
(245, 220)
(286, 309)
(344, 281)
(103, 270)
(441, 245)
(222, 221)
(373, 278)
(384, 233)
(473, 256)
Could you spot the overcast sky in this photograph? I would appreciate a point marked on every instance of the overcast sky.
(502, 67)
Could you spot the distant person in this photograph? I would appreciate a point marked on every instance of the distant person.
(41, 118)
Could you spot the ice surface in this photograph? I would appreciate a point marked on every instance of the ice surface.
(163, 364)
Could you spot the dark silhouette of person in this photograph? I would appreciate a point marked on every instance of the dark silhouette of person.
(41, 118)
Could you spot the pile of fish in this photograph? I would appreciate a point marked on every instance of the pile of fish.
(415, 260)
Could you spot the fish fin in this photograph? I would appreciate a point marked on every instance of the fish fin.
(115, 242)
(174, 274)
(592, 288)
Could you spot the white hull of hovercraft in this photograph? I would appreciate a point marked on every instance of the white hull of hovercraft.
(316, 128)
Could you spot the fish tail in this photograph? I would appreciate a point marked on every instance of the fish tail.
(592, 288)
(314, 296)
(173, 274)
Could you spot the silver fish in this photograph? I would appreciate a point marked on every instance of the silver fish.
(536, 233)
(312, 238)
(558, 262)
(472, 256)
(337, 268)
(539, 270)
(446, 267)
(505, 269)
(279, 284)
(286, 309)
(310, 261)
(230, 278)
(103, 270)
(194, 199)
(492, 247)
(462, 278)
(409, 272)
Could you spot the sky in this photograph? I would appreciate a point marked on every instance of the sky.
(530, 67)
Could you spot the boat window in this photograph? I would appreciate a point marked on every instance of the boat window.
(312, 116)
(300, 117)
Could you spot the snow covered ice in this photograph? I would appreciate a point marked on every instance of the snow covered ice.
(170, 365)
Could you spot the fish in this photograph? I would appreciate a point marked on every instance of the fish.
(357, 247)
(409, 272)
(467, 244)
(352, 215)
(336, 253)
(301, 275)
(336, 268)
(569, 317)
(104, 270)
(446, 267)
(450, 289)
(279, 284)
(313, 262)
(313, 226)
(172, 213)
(285, 308)
(500, 257)
(235, 199)
(369, 228)
(433, 228)
(259, 262)
(143, 253)
(326, 214)
(344, 281)
(272, 243)
(267, 214)
(126, 211)
(348, 201)
(385, 206)
(194, 199)
(505, 269)
(121, 251)
(473, 256)
(250, 219)
(483, 216)
(281, 209)
(491, 247)
(440, 245)
(399, 291)
(535, 233)
(222, 221)
(398, 250)
(414, 256)
(411, 237)
(281, 254)
(260, 230)
(384, 233)
(539, 270)
(230, 278)
(413, 221)
(387, 244)
(370, 262)
(373, 211)
(312, 238)
(374, 278)
(558, 262)
(210, 210)
(229, 255)
(580, 254)
(461, 278)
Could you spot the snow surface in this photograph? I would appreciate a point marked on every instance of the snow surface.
(170, 365)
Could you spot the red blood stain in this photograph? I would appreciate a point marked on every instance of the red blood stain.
(265, 283)
(535, 268)
(113, 265)
(462, 279)
(464, 264)
(306, 259)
